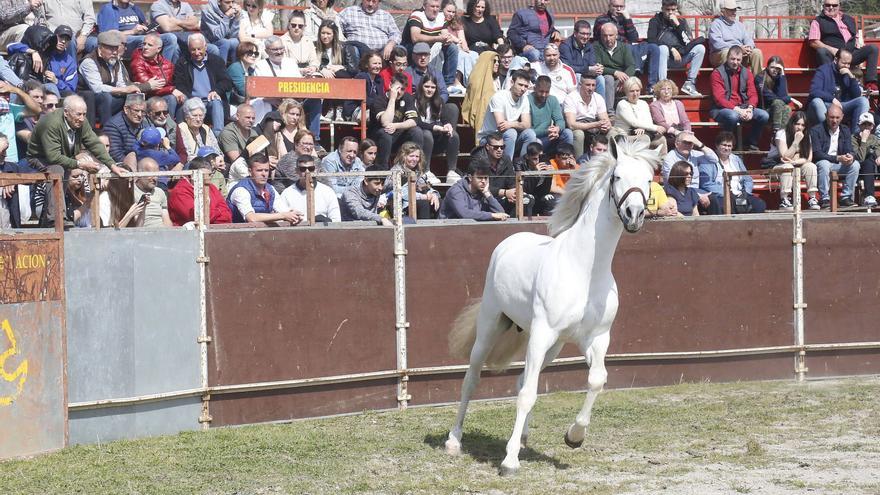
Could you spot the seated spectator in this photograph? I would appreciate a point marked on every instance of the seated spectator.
(712, 177)
(866, 150)
(130, 21)
(564, 160)
(481, 87)
(661, 205)
(345, 159)
(668, 29)
(159, 116)
(295, 198)
(150, 67)
(13, 20)
(537, 198)
(178, 18)
(363, 201)
(398, 64)
(62, 68)
(106, 77)
(255, 22)
(726, 32)
(791, 148)
(318, 12)
(334, 60)
(832, 150)
(505, 60)
(773, 93)
(471, 197)
(236, 135)
(151, 146)
(393, 121)
(26, 120)
(547, 120)
(645, 53)
(420, 69)
(203, 76)
(597, 147)
(246, 55)
(145, 191)
(370, 67)
(118, 208)
(617, 65)
(26, 58)
(634, 116)
(125, 127)
(253, 199)
(80, 16)
(181, 198)
(411, 160)
(531, 30)
(427, 25)
(585, 115)
(367, 152)
(466, 57)
(835, 84)
(292, 123)
(435, 131)
(679, 187)
(218, 168)
(509, 115)
(577, 51)
(690, 150)
(833, 30)
(735, 99)
(78, 198)
(297, 48)
(220, 26)
(192, 133)
(481, 29)
(502, 175)
(562, 78)
(366, 27)
(669, 113)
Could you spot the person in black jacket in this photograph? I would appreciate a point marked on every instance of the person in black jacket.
(502, 182)
(840, 160)
(669, 29)
(204, 76)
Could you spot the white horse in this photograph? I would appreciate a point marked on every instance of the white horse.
(542, 291)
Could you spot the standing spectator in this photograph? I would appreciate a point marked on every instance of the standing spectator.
(835, 84)
(13, 14)
(668, 29)
(634, 116)
(299, 48)
(130, 21)
(295, 197)
(318, 13)
(644, 53)
(562, 77)
(247, 55)
(393, 120)
(690, 150)
(160, 117)
(509, 115)
(585, 114)
(253, 199)
(669, 113)
(345, 159)
(79, 15)
(832, 150)
(367, 27)
(192, 133)
(203, 76)
(537, 198)
(679, 186)
(426, 25)
(712, 177)
(181, 198)
(531, 29)
(481, 29)
(178, 18)
(502, 182)
(577, 52)
(436, 132)
(617, 65)
(238, 133)
(726, 32)
(220, 25)
(472, 198)
(156, 202)
(331, 54)
(833, 30)
(735, 98)
(773, 93)
(547, 120)
(150, 67)
(255, 22)
(866, 150)
(792, 148)
(151, 146)
(411, 160)
(125, 127)
(105, 76)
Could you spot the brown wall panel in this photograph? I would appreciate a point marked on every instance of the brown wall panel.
(843, 362)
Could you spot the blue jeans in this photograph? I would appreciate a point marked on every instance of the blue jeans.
(852, 109)
(312, 108)
(533, 55)
(91, 44)
(7, 74)
(695, 58)
(512, 139)
(107, 106)
(225, 47)
(658, 59)
(566, 136)
(824, 169)
(728, 119)
(600, 86)
(214, 111)
(172, 104)
(170, 50)
(450, 63)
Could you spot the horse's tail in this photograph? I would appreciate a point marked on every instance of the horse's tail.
(508, 344)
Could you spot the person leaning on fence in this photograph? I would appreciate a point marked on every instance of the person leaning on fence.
(773, 94)
(181, 197)
(791, 148)
(537, 198)
(726, 32)
(833, 30)
(668, 28)
(660, 204)
(295, 197)
(735, 99)
(832, 150)
(586, 114)
(866, 148)
(146, 191)
(253, 199)
(472, 198)
(646, 53)
(363, 201)
(502, 181)
(741, 186)
(835, 84)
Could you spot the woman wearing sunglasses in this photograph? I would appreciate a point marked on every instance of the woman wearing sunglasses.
(247, 54)
(255, 22)
(773, 93)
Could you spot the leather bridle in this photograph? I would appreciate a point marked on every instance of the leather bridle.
(618, 202)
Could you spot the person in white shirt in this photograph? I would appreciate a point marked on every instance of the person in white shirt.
(253, 199)
(634, 116)
(298, 47)
(295, 197)
(585, 113)
(509, 113)
(563, 80)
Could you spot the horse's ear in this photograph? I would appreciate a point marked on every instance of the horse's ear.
(613, 143)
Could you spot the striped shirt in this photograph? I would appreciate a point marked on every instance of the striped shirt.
(373, 30)
(426, 26)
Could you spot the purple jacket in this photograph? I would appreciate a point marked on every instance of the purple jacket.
(525, 29)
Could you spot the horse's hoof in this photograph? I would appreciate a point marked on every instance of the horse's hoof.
(574, 445)
(453, 447)
(508, 471)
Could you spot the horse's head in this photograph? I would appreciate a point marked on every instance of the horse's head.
(631, 180)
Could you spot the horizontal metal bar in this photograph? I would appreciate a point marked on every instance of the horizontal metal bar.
(141, 399)
(128, 175)
(303, 382)
(848, 345)
(351, 174)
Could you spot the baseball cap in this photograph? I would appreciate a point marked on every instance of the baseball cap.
(110, 38)
(866, 117)
(729, 4)
(64, 30)
(421, 47)
(206, 151)
(151, 137)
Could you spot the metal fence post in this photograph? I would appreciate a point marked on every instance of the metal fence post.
(400, 291)
(798, 240)
(202, 217)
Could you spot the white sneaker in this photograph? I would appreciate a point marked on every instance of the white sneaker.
(785, 203)
(456, 89)
(870, 201)
(690, 89)
(431, 178)
(452, 177)
(813, 204)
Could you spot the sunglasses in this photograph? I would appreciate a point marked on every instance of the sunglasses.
(306, 169)
(297, 25)
(161, 112)
(496, 146)
(250, 5)
(832, 5)
(51, 105)
(253, 54)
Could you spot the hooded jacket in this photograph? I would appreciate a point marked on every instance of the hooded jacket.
(216, 25)
(38, 38)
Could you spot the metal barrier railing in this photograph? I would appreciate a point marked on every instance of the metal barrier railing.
(57, 192)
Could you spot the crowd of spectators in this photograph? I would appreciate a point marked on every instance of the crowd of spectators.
(120, 90)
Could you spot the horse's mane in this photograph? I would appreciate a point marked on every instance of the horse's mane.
(586, 179)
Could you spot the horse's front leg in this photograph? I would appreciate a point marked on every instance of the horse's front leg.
(595, 353)
(548, 358)
(540, 342)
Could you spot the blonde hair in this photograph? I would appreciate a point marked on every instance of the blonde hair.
(630, 83)
(285, 106)
(407, 148)
(663, 83)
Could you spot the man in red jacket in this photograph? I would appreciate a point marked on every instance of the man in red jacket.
(735, 99)
(181, 200)
(149, 66)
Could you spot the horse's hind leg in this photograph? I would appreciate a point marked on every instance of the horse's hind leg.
(489, 327)
(595, 354)
(548, 358)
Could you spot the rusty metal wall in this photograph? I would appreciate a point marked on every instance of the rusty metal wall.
(33, 413)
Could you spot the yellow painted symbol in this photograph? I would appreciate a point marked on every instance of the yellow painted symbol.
(20, 373)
